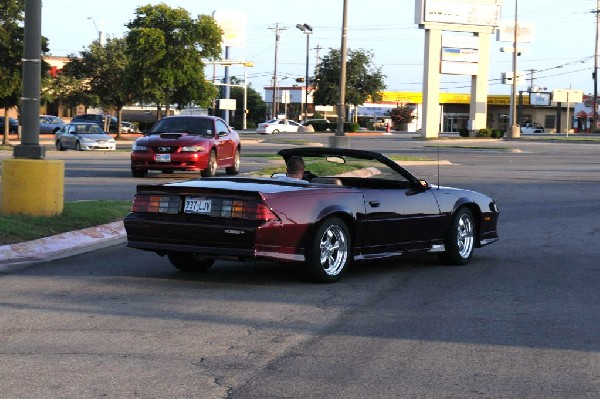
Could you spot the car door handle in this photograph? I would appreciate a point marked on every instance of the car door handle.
(374, 204)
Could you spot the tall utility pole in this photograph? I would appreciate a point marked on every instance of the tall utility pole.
(341, 107)
(275, 104)
(515, 129)
(307, 29)
(595, 99)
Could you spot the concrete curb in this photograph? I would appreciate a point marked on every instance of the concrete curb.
(61, 245)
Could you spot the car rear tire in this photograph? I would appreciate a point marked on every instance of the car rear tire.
(59, 146)
(329, 253)
(211, 168)
(275, 131)
(460, 239)
(190, 262)
(139, 172)
(235, 169)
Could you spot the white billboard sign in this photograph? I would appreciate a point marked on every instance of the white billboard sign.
(460, 54)
(464, 12)
(506, 32)
(460, 41)
(459, 68)
(227, 103)
(565, 95)
(233, 24)
(539, 98)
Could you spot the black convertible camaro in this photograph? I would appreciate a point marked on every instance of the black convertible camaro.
(364, 207)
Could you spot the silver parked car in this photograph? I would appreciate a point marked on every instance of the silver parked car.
(83, 136)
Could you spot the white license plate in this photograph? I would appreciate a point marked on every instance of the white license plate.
(163, 157)
(197, 205)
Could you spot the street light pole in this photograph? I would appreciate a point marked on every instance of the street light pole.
(307, 29)
(515, 130)
(341, 108)
(100, 33)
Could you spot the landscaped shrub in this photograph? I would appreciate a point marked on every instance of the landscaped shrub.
(484, 133)
(463, 132)
(497, 134)
(350, 127)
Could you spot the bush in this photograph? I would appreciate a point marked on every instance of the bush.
(350, 127)
(497, 134)
(484, 133)
(463, 132)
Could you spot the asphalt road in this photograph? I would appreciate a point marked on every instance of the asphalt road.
(521, 321)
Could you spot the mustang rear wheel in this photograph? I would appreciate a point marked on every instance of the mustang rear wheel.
(235, 169)
(460, 239)
(190, 262)
(211, 168)
(330, 251)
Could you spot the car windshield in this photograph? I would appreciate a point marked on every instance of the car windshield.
(54, 119)
(197, 126)
(89, 129)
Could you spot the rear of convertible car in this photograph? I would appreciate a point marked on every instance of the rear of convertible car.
(219, 218)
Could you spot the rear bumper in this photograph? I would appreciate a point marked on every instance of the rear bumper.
(218, 238)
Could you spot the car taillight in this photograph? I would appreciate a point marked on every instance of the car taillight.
(241, 209)
(155, 204)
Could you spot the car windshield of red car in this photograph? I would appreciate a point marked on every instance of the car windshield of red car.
(197, 126)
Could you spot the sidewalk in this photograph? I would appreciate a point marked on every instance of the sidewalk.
(61, 245)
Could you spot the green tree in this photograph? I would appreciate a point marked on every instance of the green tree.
(364, 80)
(401, 116)
(167, 47)
(107, 69)
(12, 13)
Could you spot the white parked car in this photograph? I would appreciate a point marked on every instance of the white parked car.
(532, 127)
(278, 126)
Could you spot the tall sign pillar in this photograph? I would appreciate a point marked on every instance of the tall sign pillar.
(463, 55)
(431, 84)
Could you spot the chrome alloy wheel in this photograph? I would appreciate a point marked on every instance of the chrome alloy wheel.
(334, 250)
(464, 235)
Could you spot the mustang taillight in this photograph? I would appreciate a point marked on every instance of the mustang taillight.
(155, 204)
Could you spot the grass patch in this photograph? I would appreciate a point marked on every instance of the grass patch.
(472, 147)
(75, 216)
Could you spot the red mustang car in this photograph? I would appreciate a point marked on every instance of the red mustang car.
(367, 207)
(191, 142)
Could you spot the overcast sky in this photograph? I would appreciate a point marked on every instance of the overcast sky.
(562, 53)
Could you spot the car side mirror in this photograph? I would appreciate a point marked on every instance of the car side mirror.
(221, 134)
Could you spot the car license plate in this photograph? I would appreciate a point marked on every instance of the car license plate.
(197, 205)
(163, 157)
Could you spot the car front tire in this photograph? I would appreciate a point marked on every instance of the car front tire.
(211, 168)
(59, 146)
(190, 262)
(329, 253)
(460, 239)
(235, 169)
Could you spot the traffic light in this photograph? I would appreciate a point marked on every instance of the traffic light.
(300, 80)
